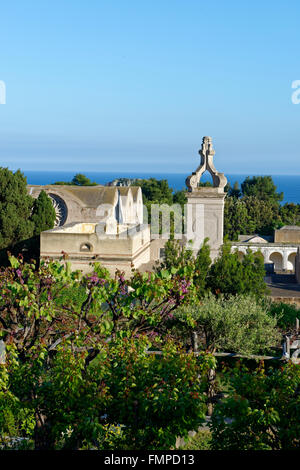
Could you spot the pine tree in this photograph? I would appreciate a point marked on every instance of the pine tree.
(43, 214)
(262, 187)
(82, 180)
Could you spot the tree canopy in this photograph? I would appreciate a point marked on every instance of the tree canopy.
(78, 180)
(261, 187)
(22, 217)
(256, 208)
(236, 323)
(43, 213)
(229, 275)
(15, 208)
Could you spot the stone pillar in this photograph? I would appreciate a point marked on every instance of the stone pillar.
(205, 218)
(284, 260)
(205, 205)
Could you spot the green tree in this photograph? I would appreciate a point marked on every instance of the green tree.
(39, 301)
(179, 197)
(176, 255)
(236, 324)
(290, 214)
(202, 265)
(250, 215)
(82, 180)
(262, 411)
(155, 191)
(43, 214)
(69, 333)
(156, 399)
(263, 214)
(236, 218)
(235, 191)
(286, 314)
(78, 180)
(261, 187)
(127, 399)
(180, 260)
(228, 275)
(15, 208)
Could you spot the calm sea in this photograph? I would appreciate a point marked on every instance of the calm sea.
(288, 184)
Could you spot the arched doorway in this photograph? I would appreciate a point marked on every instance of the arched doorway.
(277, 259)
(291, 262)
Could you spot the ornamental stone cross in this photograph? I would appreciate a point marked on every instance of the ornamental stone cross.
(207, 154)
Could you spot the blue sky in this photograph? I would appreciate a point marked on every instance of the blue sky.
(135, 85)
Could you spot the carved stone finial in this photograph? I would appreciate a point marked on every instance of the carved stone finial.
(207, 153)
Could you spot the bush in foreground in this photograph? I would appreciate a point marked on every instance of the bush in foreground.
(262, 411)
(127, 399)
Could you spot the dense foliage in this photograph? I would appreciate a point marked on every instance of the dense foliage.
(262, 411)
(15, 208)
(237, 323)
(261, 187)
(286, 314)
(22, 218)
(181, 260)
(127, 399)
(230, 275)
(227, 275)
(79, 373)
(77, 362)
(256, 208)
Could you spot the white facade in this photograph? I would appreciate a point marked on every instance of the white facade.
(281, 255)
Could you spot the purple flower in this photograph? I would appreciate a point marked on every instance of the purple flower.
(19, 274)
(94, 280)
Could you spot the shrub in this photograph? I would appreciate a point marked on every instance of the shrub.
(126, 399)
(262, 411)
(237, 324)
(228, 275)
(285, 313)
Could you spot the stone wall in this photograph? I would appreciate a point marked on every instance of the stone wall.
(287, 234)
(84, 247)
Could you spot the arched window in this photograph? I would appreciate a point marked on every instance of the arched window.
(86, 247)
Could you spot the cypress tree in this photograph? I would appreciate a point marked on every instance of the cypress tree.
(43, 214)
(15, 208)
